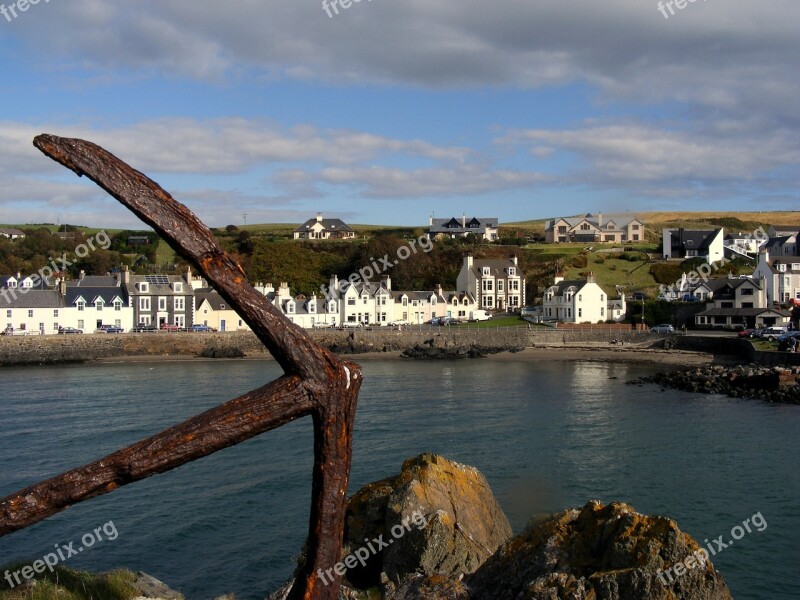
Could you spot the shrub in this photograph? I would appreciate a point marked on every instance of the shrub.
(580, 261)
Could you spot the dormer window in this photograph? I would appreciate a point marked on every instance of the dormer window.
(99, 304)
(178, 287)
(512, 271)
(117, 304)
(781, 268)
(486, 271)
(144, 287)
(81, 305)
(290, 307)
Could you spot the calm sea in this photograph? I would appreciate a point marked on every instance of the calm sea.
(547, 436)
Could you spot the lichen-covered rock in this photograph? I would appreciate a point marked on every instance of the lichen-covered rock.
(600, 552)
(436, 517)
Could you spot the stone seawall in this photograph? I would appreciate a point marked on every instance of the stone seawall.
(35, 350)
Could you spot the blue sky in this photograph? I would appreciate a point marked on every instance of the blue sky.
(391, 111)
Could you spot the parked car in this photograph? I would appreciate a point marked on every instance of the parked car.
(746, 333)
(142, 328)
(663, 328)
(401, 322)
(449, 321)
(109, 329)
(434, 321)
(773, 333)
(202, 328)
(69, 330)
(169, 327)
(12, 331)
(690, 298)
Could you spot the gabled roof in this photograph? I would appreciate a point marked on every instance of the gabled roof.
(497, 266)
(12, 231)
(741, 312)
(453, 225)
(327, 224)
(692, 239)
(715, 285)
(620, 221)
(159, 285)
(215, 301)
(777, 242)
(31, 298)
(565, 285)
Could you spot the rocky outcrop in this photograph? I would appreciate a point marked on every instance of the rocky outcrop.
(441, 347)
(455, 522)
(439, 534)
(773, 384)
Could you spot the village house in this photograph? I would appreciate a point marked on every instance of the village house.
(782, 230)
(785, 245)
(581, 301)
(93, 301)
(594, 229)
(496, 284)
(31, 306)
(782, 276)
(484, 228)
(11, 233)
(320, 228)
(691, 243)
(742, 244)
(737, 303)
(212, 310)
(161, 299)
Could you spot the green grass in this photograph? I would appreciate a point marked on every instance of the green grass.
(67, 584)
(165, 255)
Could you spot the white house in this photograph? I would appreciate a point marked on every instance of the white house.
(31, 307)
(690, 243)
(11, 233)
(737, 303)
(782, 277)
(496, 284)
(485, 228)
(92, 301)
(320, 228)
(575, 301)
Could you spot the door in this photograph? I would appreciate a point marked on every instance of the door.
(222, 325)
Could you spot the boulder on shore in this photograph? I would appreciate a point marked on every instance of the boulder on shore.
(444, 537)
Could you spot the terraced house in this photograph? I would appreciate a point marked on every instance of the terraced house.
(496, 284)
(93, 301)
(161, 299)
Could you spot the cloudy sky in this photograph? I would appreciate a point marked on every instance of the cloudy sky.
(392, 110)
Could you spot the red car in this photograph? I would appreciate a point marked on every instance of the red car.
(169, 327)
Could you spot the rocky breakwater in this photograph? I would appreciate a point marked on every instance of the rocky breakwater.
(435, 531)
(444, 347)
(773, 384)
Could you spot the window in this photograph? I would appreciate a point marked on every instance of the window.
(81, 305)
(180, 321)
(41, 328)
(580, 297)
(180, 303)
(144, 287)
(602, 312)
(485, 271)
(500, 285)
(118, 304)
(144, 303)
(8, 313)
(635, 227)
(162, 303)
(488, 285)
(55, 313)
(55, 327)
(117, 323)
(405, 301)
(30, 314)
(747, 292)
(80, 323)
(585, 227)
(562, 229)
(580, 312)
(351, 302)
(99, 304)
(635, 237)
(512, 271)
(178, 287)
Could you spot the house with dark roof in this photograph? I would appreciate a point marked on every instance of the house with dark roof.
(31, 307)
(320, 228)
(594, 229)
(784, 245)
(93, 301)
(783, 230)
(580, 301)
(737, 304)
(691, 243)
(161, 299)
(485, 228)
(12, 233)
(496, 284)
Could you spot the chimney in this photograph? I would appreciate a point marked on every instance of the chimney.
(590, 277)
(333, 289)
(62, 286)
(468, 261)
(126, 275)
(514, 259)
(430, 221)
(600, 220)
(463, 220)
(319, 217)
(558, 279)
(438, 289)
(387, 281)
(188, 275)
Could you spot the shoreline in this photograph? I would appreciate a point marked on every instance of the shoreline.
(538, 353)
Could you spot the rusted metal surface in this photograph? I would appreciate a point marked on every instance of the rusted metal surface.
(315, 383)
